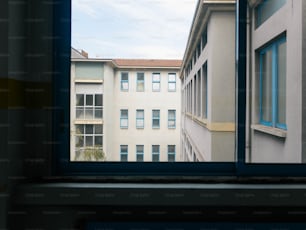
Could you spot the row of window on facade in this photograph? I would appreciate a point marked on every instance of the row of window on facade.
(140, 116)
(188, 152)
(140, 82)
(155, 153)
(197, 52)
(196, 94)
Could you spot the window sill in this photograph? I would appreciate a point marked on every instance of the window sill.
(200, 121)
(270, 130)
(88, 81)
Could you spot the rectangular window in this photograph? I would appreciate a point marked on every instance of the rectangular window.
(195, 96)
(124, 153)
(266, 9)
(140, 82)
(155, 119)
(273, 84)
(89, 106)
(204, 38)
(139, 153)
(171, 119)
(198, 96)
(89, 142)
(171, 153)
(156, 82)
(124, 118)
(171, 82)
(155, 153)
(139, 118)
(124, 84)
(204, 91)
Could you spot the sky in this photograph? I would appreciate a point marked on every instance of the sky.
(156, 29)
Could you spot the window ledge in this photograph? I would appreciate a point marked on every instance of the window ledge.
(88, 81)
(200, 121)
(270, 130)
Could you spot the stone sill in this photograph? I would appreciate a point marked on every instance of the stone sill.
(269, 130)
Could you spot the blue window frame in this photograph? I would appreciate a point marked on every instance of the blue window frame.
(171, 153)
(272, 90)
(266, 9)
(171, 119)
(139, 118)
(140, 84)
(155, 153)
(155, 118)
(124, 82)
(124, 118)
(139, 153)
(156, 82)
(171, 82)
(124, 153)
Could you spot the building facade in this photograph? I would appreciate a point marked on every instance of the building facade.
(208, 84)
(276, 87)
(125, 109)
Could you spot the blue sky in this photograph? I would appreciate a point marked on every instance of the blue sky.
(132, 28)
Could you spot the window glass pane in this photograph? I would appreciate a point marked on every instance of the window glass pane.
(98, 100)
(156, 113)
(124, 157)
(79, 113)
(98, 141)
(89, 129)
(171, 114)
(155, 148)
(79, 100)
(155, 122)
(98, 113)
(266, 9)
(89, 113)
(88, 141)
(89, 99)
(171, 148)
(124, 85)
(124, 113)
(79, 129)
(156, 86)
(140, 114)
(266, 87)
(140, 76)
(98, 129)
(139, 157)
(172, 77)
(124, 76)
(140, 86)
(124, 123)
(79, 141)
(140, 123)
(139, 148)
(172, 86)
(156, 77)
(155, 157)
(123, 148)
(281, 83)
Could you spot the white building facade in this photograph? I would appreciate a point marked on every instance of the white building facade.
(208, 84)
(131, 109)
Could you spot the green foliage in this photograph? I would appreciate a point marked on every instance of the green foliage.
(91, 154)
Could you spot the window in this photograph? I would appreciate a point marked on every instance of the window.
(124, 121)
(171, 153)
(198, 85)
(204, 38)
(172, 82)
(273, 84)
(266, 9)
(123, 153)
(171, 119)
(155, 118)
(140, 119)
(156, 82)
(139, 153)
(89, 142)
(124, 84)
(155, 153)
(204, 91)
(140, 82)
(89, 106)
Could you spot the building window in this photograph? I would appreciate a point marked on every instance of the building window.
(140, 82)
(139, 118)
(172, 82)
(155, 119)
(198, 96)
(123, 153)
(204, 91)
(89, 106)
(204, 38)
(195, 96)
(88, 141)
(124, 118)
(171, 153)
(272, 90)
(156, 82)
(171, 119)
(266, 9)
(155, 153)
(124, 84)
(139, 153)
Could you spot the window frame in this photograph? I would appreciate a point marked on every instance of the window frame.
(156, 82)
(61, 118)
(171, 153)
(124, 118)
(140, 81)
(172, 119)
(271, 46)
(124, 81)
(124, 153)
(154, 118)
(139, 153)
(156, 153)
(171, 82)
(141, 118)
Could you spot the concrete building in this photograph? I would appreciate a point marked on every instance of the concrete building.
(128, 108)
(208, 84)
(276, 86)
